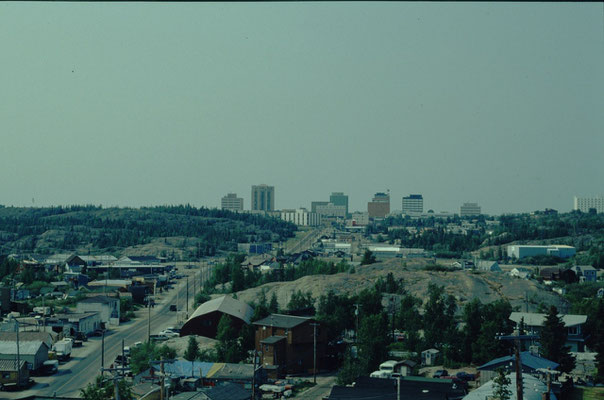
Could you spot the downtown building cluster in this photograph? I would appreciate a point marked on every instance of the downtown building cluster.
(336, 208)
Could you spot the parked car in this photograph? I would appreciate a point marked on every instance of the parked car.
(441, 373)
(464, 376)
(172, 307)
(169, 334)
(119, 360)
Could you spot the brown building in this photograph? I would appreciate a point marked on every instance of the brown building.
(9, 373)
(558, 274)
(285, 344)
(379, 207)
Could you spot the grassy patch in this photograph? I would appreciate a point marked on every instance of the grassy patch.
(587, 393)
(302, 386)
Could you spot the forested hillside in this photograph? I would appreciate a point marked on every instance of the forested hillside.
(53, 229)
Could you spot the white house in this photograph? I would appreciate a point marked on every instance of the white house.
(520, 272)
(107, 307)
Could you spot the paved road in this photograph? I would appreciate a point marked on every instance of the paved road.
(305, 241)
(85, 363)
(323, 388)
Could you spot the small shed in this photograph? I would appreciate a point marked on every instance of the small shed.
(430, 357)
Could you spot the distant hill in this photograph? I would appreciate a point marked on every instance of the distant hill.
(182, 231)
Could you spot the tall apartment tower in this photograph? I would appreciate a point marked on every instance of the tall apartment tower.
(339, 199)
(586, 204)
(263, 198)
(413, 204)
(379, 207)
(232, 203)
(469, 209)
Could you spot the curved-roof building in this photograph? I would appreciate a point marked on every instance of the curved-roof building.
(204, 321)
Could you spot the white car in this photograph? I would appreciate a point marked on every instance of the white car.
(169, 333)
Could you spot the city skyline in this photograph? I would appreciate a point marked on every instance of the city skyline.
(148, 104)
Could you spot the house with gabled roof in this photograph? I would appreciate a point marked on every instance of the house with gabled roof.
(533, 323)
(585, 273)
(530, 364)
(285, 343)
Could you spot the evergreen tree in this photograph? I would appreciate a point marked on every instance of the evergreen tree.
(350, 370)
(301, 301)
(103, 389)
(373, 341)
(439, 317)
(552, 338)
(192, 351)
(238, 278)
(273, 306)
(228, 348)
(473, 318)
(410, 321)
(368, 258)
(596, 341)
(501, 383)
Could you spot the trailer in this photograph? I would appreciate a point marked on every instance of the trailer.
(62, 349)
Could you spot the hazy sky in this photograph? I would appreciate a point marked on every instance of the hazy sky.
(144, 104)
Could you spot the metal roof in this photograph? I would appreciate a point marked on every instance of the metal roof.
(532, 389)
(46, 337)
(226, 305)
(535, 319)
(9, 365)
(527, 359)
(272, 339)
(100, 299)
(282, 321)
(27, 348)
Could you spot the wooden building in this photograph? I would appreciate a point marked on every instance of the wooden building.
(286, 344)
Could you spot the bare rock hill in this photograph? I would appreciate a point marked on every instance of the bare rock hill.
(463, 285)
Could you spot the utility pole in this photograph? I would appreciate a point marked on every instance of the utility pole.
(149, 320)
(103, 351)
(163, 387)
(356, 332)
(187, 297)
(516, 337)
(314, 367)
(254, 378)
(123, 358)
(18, 358)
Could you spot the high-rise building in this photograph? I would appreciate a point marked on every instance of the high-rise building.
(263, 198)
(232, 203)
(315, 204)
(413, 204)
(339, 199)
(469, 210)
(379, 207)
(586, 204)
